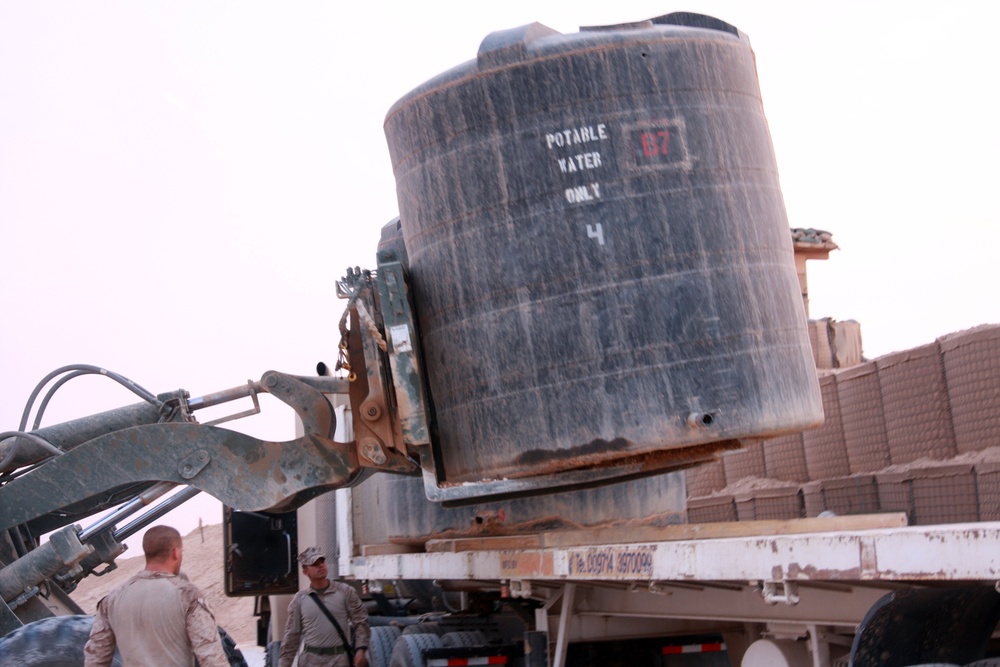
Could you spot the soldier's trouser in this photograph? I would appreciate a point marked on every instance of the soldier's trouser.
(312, 660)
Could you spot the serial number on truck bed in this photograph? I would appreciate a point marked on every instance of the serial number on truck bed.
(612, 562)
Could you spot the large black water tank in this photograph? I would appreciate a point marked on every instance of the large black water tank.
(599, 253)
(408, 517)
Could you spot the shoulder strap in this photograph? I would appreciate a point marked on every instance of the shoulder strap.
(336, 625)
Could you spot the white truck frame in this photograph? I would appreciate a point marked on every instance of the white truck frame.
(806, 581)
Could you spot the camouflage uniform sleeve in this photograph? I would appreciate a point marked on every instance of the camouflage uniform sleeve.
(293, 632)
(202, 630)
(100, 648)
(359, 618)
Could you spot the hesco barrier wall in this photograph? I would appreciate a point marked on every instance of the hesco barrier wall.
(914, 431)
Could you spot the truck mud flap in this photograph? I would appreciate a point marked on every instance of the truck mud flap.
(917, 626)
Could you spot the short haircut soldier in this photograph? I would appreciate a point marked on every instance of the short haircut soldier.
(159, 540)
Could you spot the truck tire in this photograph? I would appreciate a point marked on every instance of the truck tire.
(463, 638)
(409, 649)
(380, 645)
(426, 628)
(950, 626)
(50, 642)
(59, 642)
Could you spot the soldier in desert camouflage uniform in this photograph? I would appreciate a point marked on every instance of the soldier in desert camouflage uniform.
(157, 618)
(307, 624)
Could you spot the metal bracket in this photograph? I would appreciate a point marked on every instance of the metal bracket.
(311, 406)
(23, 597)
(658, 589)
(789, 592)
(380, 441)
(8, 619)
(520, 589)
(403, 352)
(251, 391)
(193, 464)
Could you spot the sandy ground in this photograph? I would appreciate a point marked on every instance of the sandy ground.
(203, 564)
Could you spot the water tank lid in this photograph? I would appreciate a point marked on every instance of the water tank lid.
(506, 48)
(509, 46)
(693, 20)
(635, 25)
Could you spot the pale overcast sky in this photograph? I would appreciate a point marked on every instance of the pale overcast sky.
(182, 182)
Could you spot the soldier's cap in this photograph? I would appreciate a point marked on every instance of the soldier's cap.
(310, 556)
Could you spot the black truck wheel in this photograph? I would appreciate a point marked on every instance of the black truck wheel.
(463, 638)
(912, 627)
(423, 628)
(409, 649)
(383, 639)
(59, 642)
(50, 642)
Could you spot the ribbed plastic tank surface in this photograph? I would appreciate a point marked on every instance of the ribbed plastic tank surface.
(409, 517)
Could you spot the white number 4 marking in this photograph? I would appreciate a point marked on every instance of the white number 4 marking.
(596, 232)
